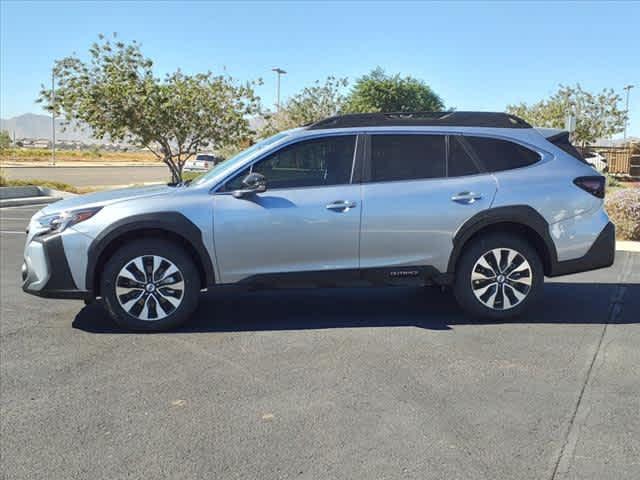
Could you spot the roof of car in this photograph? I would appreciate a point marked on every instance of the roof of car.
(434, 119)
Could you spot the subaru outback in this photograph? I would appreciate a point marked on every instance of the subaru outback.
(482, 203)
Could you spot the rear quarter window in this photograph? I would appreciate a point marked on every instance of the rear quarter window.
(497, 155)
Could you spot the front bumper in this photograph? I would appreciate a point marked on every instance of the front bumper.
(601, 254)
(46, 272)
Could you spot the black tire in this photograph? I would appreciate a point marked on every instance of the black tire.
(503, 306)
(187, 301)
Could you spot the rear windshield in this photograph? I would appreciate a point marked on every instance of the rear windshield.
(562, 142)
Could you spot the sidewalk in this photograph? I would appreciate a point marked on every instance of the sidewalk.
(628, 246)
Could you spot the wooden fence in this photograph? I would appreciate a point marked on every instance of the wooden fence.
(618, 158)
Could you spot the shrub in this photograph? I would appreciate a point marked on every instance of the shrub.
(623, 207)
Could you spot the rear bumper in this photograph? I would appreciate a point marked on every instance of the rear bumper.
(601, 254)
(46, 272)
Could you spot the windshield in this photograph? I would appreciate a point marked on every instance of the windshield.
(229, 165)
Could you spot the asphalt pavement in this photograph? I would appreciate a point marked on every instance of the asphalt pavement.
(91, 176)
(323, 384)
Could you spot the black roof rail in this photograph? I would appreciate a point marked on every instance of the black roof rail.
(432, 119)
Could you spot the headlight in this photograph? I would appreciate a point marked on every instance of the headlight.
(58, 222)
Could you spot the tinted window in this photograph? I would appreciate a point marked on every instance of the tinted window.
(498, 155)
(407, 157)
(460, 162)
(311, 163)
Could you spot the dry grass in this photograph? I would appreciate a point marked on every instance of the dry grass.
(65, 187)
(18, 155)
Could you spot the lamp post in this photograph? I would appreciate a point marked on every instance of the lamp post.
(279, 73)
(626, 120)
(53, 119)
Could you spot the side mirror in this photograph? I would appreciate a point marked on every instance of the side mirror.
(252, 184)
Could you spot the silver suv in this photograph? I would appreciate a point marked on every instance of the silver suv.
(480, 202)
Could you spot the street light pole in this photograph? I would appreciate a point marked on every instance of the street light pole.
(626, 120)
(53, 119)
(279, 72)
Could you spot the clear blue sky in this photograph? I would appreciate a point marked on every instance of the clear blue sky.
(477, 56)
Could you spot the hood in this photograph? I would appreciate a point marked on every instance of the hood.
(108, 197)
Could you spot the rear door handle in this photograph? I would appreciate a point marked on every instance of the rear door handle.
(466, 197)
(341, 206)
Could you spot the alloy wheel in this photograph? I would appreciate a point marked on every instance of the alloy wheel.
(150, 287)
(501, 278)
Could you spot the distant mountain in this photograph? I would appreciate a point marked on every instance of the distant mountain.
(31, 125)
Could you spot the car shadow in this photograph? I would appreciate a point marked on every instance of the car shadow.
(232, 310)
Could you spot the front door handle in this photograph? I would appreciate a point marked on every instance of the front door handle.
(466, 197)
(341, 206)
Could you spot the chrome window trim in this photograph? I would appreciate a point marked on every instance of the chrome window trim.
(368, 132)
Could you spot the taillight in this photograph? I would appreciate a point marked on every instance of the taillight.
(594, 185)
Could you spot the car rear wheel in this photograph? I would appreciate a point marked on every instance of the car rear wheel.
(499, 276)
(150, 285)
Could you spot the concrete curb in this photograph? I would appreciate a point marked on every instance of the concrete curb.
(628, 246)
(19, 202)
(30, 195)
(19, 192)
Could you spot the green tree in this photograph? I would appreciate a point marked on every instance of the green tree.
(597, 115)
(309, 105)
(379, 92)
(5, 140)
(117, 95)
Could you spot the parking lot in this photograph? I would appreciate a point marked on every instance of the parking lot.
(320, 384)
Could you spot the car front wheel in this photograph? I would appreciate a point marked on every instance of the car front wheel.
(150, 285)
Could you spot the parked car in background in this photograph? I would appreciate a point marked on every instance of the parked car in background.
(480, 202)
(203, 162)
(597, 160)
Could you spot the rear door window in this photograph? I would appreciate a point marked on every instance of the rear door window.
(407, 157)
(497, 155)
(460, 162)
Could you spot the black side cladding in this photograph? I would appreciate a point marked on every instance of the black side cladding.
(601, 255)
(172, 222)
(518, 215)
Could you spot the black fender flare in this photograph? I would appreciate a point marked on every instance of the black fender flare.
(171, 222)
(517, 214)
